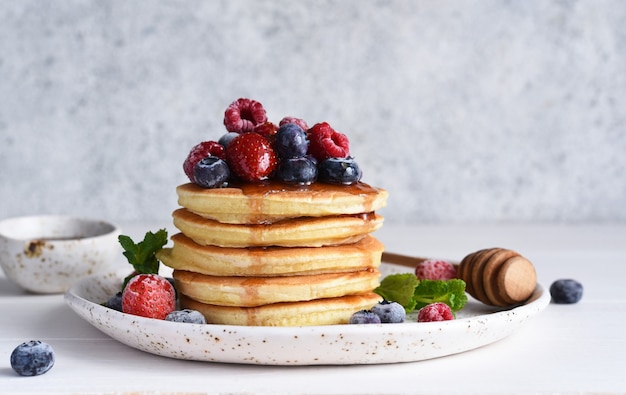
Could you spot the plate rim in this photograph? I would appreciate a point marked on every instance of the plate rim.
(80, 304)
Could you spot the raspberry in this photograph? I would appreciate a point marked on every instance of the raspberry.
(251, 157)
(243, 115)
(297, 121)
(199, 152)
(434, 269)
(326, 142)
(435, 312)
(149, 295)
(566, 291)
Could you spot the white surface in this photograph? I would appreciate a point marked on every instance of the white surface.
(566, 349)
(464, 110)
(475, 325)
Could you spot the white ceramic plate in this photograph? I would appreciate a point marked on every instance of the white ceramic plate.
(476, 325)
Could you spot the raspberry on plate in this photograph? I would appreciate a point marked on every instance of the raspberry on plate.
(435, 312)
(251, 157)
(243, 115)
(326, 142)
(149, 295)
(435, 269)
(201, 151)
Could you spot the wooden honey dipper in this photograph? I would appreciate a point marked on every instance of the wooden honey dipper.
(494, 276)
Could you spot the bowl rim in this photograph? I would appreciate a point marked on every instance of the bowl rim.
(108, 228)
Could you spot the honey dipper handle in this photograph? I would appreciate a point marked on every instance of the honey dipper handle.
(405, 260)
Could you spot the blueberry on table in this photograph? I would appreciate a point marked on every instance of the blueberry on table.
(566, 291)
(32, 358)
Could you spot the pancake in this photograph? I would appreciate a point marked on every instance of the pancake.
(270, 261)
(263, 203)
(257, 291)
(299, 232)
(331, 311)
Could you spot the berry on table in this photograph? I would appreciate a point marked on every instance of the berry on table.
(343, 171)
(32, 358)
(201, 151)
(242, 115)
(435, 269)
(326, 142)
(299, 171)
(187, 316)
(435, 312)
(291, 141)
(365, 317)
(211, 172)
(251, 157)
(149, 295)
(389, 312)
(566, 291)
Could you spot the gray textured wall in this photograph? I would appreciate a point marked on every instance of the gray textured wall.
(466, 111)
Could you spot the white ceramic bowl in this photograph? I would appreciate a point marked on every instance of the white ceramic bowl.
(48, 253)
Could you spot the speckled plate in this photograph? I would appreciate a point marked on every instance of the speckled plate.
(476, 325)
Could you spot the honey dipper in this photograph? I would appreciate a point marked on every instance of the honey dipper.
(494, 276)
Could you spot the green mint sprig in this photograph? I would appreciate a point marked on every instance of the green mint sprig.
(413, 294)
(142, 255)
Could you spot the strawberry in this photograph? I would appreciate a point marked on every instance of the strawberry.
(434, 269)
(201, 151)
(243, 115)
(251, 157)
(149, 295)
(326, 142)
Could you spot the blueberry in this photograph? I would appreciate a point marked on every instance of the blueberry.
(339, 171)
(114, 302)
(566, 291)
(390, 312)
(32, 358)
(227, 138)
(365, 317)
(211, 172)
(186, 316)
(291, 141)
(301, 171)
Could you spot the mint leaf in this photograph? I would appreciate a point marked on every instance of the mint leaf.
(142, 255)
(399, 288)
(450, 292)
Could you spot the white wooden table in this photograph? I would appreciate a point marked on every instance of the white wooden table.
(566, 349)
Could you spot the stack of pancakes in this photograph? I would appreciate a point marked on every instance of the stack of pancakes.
(276, 255)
